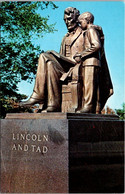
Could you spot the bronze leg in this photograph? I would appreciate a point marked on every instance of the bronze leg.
(90, 76)
(54, 72)
(46, 85)
(40, 82)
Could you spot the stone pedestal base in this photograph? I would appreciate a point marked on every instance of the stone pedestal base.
(61, 153)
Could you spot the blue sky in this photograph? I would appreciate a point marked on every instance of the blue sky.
(110, 16)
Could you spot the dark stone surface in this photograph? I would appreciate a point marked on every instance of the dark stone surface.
(33, 171)
(85, 154)
(96, 156)
(90, 116)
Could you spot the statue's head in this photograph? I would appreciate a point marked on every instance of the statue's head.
(71, 15)
(86, 18)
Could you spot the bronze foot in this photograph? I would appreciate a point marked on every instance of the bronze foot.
(85, 110)
(31, 101)
(53, 109)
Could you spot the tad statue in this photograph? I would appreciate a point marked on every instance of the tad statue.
(83, 44)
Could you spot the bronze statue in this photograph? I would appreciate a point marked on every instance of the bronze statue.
(83, 44)
(52, 65)
(97, 85)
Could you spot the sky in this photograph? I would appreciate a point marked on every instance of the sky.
(110, 16)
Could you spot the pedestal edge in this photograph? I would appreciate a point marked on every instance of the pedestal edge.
(59, 115)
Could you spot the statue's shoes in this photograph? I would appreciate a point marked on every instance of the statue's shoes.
(84, 110)
(53, 109)
(31, 101)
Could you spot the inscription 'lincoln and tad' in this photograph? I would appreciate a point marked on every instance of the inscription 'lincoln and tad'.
(30, 137)
(27, 137)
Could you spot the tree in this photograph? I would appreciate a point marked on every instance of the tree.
(108, 110)
(121, 112)
(20, 23)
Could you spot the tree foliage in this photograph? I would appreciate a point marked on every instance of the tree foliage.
(20, 24)
(121, 112)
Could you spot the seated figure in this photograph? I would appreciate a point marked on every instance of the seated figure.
(52, 65)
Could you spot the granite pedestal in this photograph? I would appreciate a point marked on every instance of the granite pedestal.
(61, 153)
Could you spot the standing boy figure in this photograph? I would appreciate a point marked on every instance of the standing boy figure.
(93, 98)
